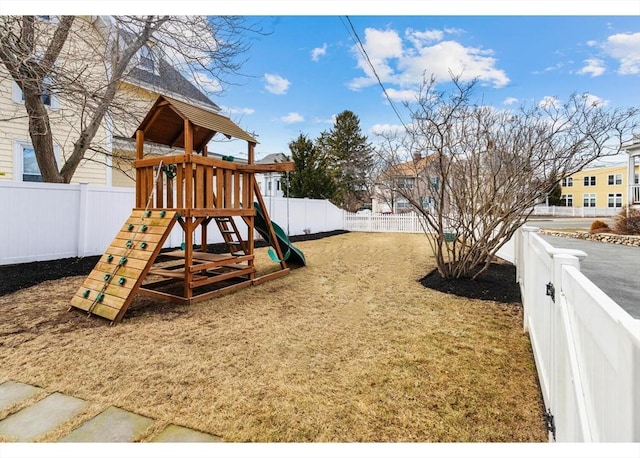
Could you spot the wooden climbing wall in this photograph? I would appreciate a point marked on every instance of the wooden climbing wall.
(116, 278)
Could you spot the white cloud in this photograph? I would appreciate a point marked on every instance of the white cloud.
(420, 38)
(594, 100)
(381, 129)
(510, 101)
(241, 111)
(593, 67)
(405, 63)
(405, 95)
(276, 84)
(381, 46)
(292, 118)
(330, 120)
(549, 102)
(317, 52)
(625, 47)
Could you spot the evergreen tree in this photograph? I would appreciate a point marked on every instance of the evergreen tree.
(350, 160)
(311, 176)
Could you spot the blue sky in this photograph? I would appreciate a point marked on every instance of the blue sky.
(308, 69)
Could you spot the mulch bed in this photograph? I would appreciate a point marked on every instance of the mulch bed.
(498, 284)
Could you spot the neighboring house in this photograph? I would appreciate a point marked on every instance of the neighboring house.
(599, 187)
(633, 174)
(397, 183)
(272, 184)
(109, 161)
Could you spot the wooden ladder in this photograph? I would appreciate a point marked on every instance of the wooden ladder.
(231, 236)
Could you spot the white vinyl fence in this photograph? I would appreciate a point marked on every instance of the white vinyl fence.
(373, 222)
(586, 347)
(43, 221)
(581, 212)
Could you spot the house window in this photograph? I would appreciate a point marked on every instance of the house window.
(589, 200)
(405, 183)
(614, 200)
(268, 185)
(47, 95)
(30, 169)
(590, 181)
(435, 182)
(278, 186)
(566, 200)
(614, 179)
(637, 178)
(25, 163)
(567, 182)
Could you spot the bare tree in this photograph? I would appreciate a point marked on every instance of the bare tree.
(85, 60)
(481, 170)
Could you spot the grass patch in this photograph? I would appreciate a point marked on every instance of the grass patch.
(351, 348)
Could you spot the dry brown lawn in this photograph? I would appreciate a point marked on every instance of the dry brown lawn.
(350, 348)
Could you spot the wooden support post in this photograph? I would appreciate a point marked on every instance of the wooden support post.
(251, 153)
(188, 172)
(188, 257)
(139, 154)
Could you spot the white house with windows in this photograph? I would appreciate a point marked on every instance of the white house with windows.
(633, 174)
(272, 184)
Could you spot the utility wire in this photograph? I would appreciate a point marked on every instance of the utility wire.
(360, 46)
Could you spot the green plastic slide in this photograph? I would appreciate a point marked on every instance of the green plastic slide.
(291, 254)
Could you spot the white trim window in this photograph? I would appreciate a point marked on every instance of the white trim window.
(567, 182)
(566, 200)
(614, 200)
(48, 97)
(25, 165)
(588, 200)
(589, 180)
(614, 179)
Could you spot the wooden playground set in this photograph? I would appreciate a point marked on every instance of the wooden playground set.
(192, 190)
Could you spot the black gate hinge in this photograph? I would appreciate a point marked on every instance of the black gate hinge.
(551, 424)
(551, 291)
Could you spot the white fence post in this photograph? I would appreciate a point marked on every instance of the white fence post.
(82, 220)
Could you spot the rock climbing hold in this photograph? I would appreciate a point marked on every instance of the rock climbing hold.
(123, 260)
(86, 293)
(100, 297)
(121, 281)
(130, 227)
(147, 213)
(143, 228)
(110, 258)
(129, 243)
(143, 245)
(162, 213)
(107, 277)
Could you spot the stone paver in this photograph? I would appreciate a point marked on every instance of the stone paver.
(112, 425)
(31, 422)
(12, 393)
(175, 433)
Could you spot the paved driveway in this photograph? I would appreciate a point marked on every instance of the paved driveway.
(615, 269)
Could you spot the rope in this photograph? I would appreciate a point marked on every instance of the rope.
(130, 246)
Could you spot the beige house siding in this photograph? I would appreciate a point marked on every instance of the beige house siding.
(64, 120)
(601, 189)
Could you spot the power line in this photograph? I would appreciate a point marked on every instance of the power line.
(360, 46)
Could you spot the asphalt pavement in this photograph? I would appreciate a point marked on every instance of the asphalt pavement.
(615, 269)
